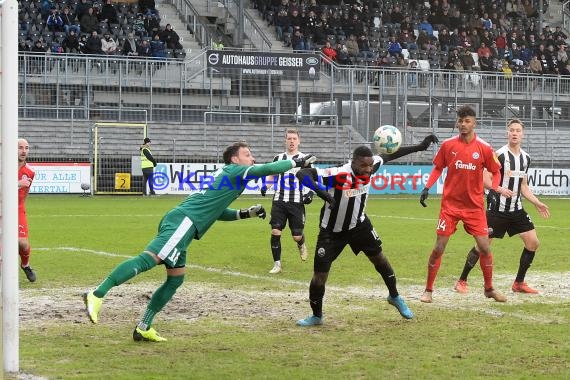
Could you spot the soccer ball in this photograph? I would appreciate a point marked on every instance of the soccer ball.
(387, 139)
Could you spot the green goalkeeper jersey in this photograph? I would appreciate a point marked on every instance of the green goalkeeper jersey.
(226, 185)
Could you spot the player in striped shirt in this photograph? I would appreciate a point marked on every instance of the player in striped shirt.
(288, 203)
(344, 222)
(505, 212)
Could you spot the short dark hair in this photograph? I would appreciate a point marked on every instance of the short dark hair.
(232, 151)
(466, 111)
(362, 151)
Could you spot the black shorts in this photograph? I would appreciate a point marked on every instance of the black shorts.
(362, 238)
(281, 212)
(513, 223)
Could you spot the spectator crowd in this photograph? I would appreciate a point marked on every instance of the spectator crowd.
(466, 35)
(103, 28)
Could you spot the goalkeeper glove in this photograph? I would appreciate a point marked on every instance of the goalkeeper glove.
(424, 196)
(429, 139)
(255, 210)
(308, 198)
(305, 161)
(263, 190)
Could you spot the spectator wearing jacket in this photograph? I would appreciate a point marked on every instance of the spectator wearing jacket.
(394, 47)
(70, 43)
(108, 44)
(69, 21)
(170, 38)
(54, 22)
(89, 22)
(93, 44)
(130, 46)
(108, 13)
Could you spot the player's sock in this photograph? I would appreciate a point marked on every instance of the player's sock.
(486, 263)
(472, 258)
(525, 262)
(388, 275)
(125, 271)
(159, 298)
(434, 263)
(276, 247)
(301, 242)
(316, 294)
(25, 256)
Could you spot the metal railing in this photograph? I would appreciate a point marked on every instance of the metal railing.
(172, 90)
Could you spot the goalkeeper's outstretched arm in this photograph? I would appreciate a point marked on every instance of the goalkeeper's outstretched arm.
(408, 149)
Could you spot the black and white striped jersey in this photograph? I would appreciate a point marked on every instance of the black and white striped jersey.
(514, 169)
(350, 195)
(286, 185)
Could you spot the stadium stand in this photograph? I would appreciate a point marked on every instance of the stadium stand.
(423, 31)
(377, 25)
(49, 23)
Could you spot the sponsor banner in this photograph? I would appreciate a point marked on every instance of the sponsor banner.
(60, 178)
(185, 178)
(541, 181)
(306, 66)
(549, 181)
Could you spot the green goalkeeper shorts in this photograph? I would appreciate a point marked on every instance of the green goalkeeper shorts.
(175, 233)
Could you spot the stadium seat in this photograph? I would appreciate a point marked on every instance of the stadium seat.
(47, 37)
(434, 64)
(122, 8)
(115, 29)
(59, 35)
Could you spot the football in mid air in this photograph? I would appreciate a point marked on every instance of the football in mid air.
(387, 139)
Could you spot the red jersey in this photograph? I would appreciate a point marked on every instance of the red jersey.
(463, 186)
(24, 172)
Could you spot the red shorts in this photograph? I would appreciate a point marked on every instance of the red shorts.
(22, 225)
(474, 222)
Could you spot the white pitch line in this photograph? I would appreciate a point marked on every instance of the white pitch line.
(96, 215)
(399, 217)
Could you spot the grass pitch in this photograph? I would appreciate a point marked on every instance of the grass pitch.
(232, 320)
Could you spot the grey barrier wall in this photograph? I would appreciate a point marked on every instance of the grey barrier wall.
(353, 100)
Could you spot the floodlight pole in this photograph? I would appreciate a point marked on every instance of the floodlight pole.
(8, 179)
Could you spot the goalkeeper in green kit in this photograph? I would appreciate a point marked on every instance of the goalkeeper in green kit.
(190, 219)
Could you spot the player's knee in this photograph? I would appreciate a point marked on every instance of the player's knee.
(532, 245)
(23, 245)
(319, 278)
(276, 231)
(174, 282)
(297, 234)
